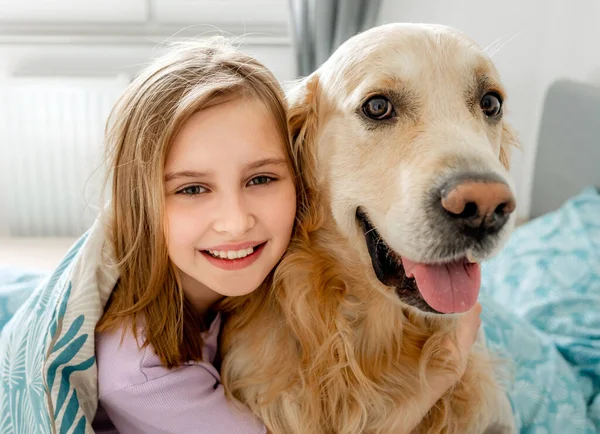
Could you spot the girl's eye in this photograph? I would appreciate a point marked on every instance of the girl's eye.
(260, 180)
(192, 190)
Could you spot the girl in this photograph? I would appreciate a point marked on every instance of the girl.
(204, 195)
(200, 149)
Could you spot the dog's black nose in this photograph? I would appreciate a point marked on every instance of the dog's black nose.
(477, 206)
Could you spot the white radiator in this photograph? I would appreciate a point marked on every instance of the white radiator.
(51, 143)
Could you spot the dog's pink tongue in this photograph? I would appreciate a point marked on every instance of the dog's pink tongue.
(447, 288)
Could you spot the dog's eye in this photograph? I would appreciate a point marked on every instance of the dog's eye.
(378, 108)
(491, 104)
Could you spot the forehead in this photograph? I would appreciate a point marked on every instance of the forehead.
(230, 131)
(408, 57)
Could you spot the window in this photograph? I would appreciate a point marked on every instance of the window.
(73, 11)
(220, 11)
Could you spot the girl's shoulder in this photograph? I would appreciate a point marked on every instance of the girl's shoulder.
(139, 394)
(123, 361)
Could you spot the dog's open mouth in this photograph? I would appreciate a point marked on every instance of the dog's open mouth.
(451, 287)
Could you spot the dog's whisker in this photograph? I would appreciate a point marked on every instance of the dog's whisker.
(371, 230)
(497, 45)
(491, 47)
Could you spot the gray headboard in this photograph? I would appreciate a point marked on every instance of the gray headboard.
(568, 153)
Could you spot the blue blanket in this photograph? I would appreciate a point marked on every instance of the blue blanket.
(48, 375)
(548, 278)
(16, 285)
(540, 296)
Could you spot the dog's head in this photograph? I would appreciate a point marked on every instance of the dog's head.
(402, 132)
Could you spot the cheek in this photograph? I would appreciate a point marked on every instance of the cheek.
(494, 136)
(183, 223)
(365, 171)
(279, 211)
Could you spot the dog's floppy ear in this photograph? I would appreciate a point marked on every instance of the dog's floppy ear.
(507, 142)
(303, 123)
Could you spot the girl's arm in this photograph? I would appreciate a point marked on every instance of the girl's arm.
(187, 400)
(141, 396)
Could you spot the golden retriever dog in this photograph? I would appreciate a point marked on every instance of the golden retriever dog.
(404, 150)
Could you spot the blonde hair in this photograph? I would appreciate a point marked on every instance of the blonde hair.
(191, 77)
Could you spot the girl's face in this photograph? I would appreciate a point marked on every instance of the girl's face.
(230, 200)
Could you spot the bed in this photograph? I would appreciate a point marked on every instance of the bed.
(41, 254)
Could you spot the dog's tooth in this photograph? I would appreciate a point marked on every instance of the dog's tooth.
(471, 257)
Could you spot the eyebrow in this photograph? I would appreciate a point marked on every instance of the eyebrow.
(486, 83)
(252, 166)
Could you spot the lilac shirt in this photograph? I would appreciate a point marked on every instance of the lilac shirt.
(140, 395)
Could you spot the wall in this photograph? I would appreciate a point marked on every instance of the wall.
(86, 50)
(544, 40)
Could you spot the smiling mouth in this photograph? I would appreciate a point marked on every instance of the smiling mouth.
(232, 255)
(234, 260)
(442, 287)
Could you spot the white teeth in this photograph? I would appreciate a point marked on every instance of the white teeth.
(231, 254)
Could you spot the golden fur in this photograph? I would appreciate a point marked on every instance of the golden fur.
(328, 348)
